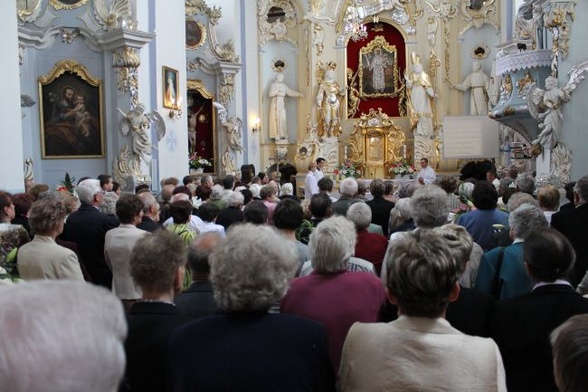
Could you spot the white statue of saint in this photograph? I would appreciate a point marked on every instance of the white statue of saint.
(278, 128)
(477, 82)
(420, 93)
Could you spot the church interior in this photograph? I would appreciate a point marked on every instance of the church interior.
(142, 147)
(117, 87)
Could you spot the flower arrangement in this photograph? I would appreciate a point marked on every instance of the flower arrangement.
(402, 168)
(347, 169)
(198, 162)
(67, 185)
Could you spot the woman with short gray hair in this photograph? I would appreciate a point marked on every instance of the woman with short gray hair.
(429, 207)
(398, 356)
(333, 295)
(250, 271)
(43, 258)
(502, 271)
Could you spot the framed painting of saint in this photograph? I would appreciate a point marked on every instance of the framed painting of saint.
(378, 69)
(71, 112)
(171, 86)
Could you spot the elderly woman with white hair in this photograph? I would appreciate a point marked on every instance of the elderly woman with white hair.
(233, 213)
(61, 336)
(428, 206)
(247, 348)
(369, 246)
(333, 295)
(420, 351)
(502, 270)
(401, 217)
(287, 192)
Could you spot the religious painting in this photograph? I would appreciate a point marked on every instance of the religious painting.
(195, 34)
(201, 123)
(71, 112)
(378, 69)
(171, 86)
(67, 4)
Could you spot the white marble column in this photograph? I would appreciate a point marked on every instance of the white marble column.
(11, 147)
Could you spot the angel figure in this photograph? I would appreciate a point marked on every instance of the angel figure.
(353, 97)
(137, 123)
(233, 127)
(545, 105)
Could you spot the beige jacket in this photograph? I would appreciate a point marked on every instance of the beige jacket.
(118, 245)
(418, 354)
(42, 258)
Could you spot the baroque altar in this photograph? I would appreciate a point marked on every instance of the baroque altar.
(375, 143)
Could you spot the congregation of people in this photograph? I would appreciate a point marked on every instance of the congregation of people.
(242, 283)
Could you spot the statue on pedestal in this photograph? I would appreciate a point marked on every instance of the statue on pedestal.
(477, 82)
(328, 103)
(420, 93)
(278, 125)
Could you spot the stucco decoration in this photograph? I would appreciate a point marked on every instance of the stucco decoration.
(558, 21)
(276, 27)
(307, 149)
(232, 126)
(404, 13)
(116, 14)
(125, 63)
(224, 51)
(227, 88)
(561, 163)
(444, 10)
(424, 147)
(69, 34)
(477, 18)
(28, 10)
(60, 5)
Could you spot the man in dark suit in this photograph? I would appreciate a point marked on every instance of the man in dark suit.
(87, 227)
(150, 219)
(380, 207)
(347, 189)
(157, 265)
(573, 223)
(522, 325)
(232, 214)
(198, 299)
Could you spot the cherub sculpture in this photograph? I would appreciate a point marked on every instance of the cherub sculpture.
(545, 105)
(233, 127)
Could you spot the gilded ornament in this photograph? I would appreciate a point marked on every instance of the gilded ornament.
(67, 5)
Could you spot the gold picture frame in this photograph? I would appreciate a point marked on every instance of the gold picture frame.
(195, 34)
(378, 69)
(67, 4)
(71, 112)
(171, 87)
